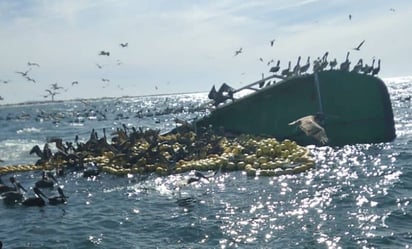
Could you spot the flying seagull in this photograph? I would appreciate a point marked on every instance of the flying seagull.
(123, 45)
(310, 126)
(75, 83)
(359, 46)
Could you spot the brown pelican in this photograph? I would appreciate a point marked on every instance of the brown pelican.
(15, 187)
(35, 201)
(58, 199)
(286, 72)
(305, 67)
(324, 61)
(225, 92)
(13, 196)
(376, 70)
(47, 180)
(359, 46)
(237, 52)
(275, 68)
(123, 45)
(333, 64)
(358, 66)
(310, 126)
(296, 69)
(44, 155)
(344, 66)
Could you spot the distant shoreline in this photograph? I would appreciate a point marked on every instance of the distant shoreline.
(39, 102)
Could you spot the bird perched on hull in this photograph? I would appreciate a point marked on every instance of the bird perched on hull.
(311, 127)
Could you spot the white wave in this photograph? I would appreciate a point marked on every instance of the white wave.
(29, 130)
(399, 79)
(14, 151)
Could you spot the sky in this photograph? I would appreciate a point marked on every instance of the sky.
(186, 46)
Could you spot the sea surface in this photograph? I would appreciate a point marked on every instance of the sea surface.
(356, 197)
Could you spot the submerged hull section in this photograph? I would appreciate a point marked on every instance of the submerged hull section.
(357, 109)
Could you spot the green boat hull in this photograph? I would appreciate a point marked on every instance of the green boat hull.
(357, 109)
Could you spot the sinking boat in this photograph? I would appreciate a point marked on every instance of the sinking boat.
(356, 108)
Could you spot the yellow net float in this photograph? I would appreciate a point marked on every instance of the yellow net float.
(255, 155)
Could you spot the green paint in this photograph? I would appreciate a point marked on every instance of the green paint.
(357, 108)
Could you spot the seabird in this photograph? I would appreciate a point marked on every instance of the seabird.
(237, 52)
(33, 64)
(275, 68)
(392, 9)
(46, 182)
(75, 83)
(123, 45)
(344, 66)
(16, 186)
(35, 201)
(225, 92)
(359, 46)
(272, 42)
(24, 74)
(261, 59)
(99, 66)
(310, 126)
(14, 195)
(286, 72)
(333, 64)
(296, 69)
(105, 80)
(5, 81)
(56, 86)
(305, 67)
(30, 79)
(324, 62)
(104, 53)
(58, 199)
(358, 66)
(376, 70)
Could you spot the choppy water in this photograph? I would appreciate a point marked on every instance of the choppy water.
(356, 197)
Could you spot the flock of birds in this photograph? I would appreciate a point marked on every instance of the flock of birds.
(53, 90)
(320, 64)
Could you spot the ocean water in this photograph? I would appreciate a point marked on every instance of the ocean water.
(356, 197)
